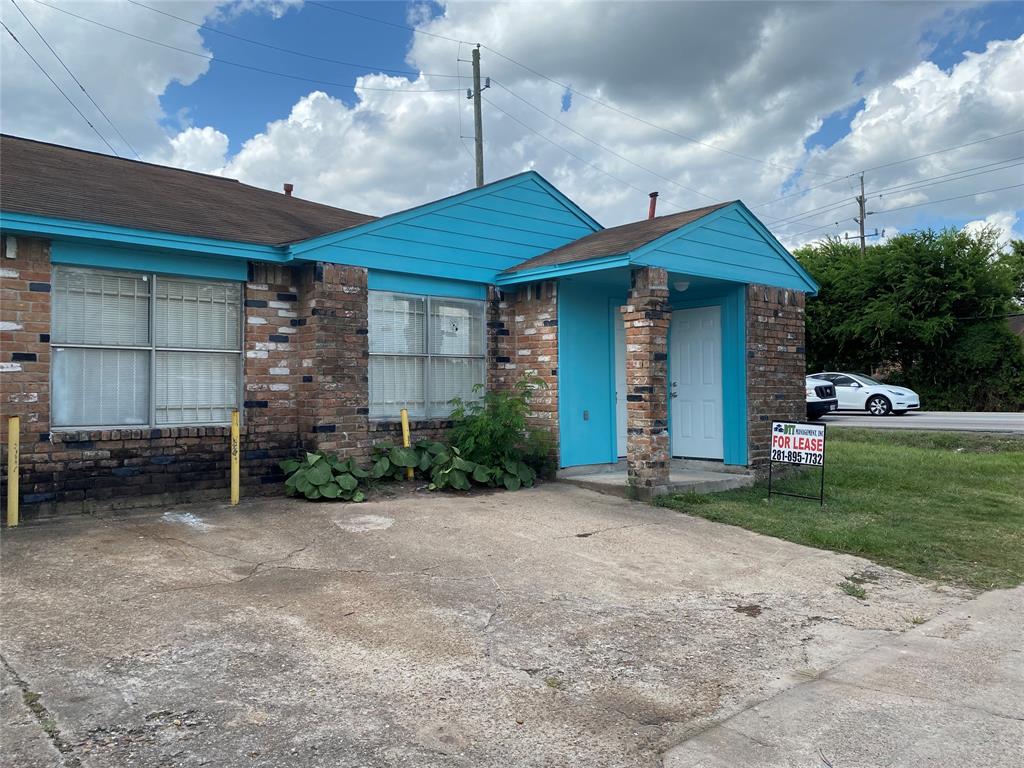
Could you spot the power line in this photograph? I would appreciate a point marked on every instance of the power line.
(292, 51)
(911, 186)
(598, 144)
(55, 85)
(612, 107)
(947, 199)
(915, 205)
(77, 81)
(887, 165)
(571, 153)
(900, 188)
(947, 149)
(248, 66)
(386, 23)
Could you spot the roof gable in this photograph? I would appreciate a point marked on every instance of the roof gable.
(473, 235)
(724, 241)
(729, 243)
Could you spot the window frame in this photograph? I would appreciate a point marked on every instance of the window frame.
(426, 355)
(152, 348)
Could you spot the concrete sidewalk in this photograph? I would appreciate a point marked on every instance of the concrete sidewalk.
(949, 693)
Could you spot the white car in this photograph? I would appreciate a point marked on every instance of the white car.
(857, 392)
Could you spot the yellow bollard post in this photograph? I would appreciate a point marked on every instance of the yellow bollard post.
(13, 459)
(405, 439)
(234, 458)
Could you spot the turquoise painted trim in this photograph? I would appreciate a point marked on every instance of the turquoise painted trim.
(614, 315)
(300, 249)
(586, 373)
(734, 370)
(377, 280)
(69, 229)
(692, 249)
(110, 257)
(562, 270)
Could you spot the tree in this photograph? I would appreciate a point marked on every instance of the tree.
(926, 309)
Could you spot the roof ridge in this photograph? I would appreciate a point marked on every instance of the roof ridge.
(115, 158)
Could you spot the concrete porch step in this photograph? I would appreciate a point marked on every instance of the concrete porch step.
(616, 482)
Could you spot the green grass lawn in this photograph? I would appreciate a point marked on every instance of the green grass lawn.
(940, 505)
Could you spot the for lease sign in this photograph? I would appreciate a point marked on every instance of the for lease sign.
(797, 443)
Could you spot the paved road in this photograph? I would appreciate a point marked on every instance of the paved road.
(953, 421)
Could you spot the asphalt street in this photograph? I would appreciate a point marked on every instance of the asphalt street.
(954, 421)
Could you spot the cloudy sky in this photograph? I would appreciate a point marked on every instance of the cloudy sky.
(363, 105)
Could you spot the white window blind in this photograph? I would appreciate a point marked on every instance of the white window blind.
(196, 315)
(424, 351)
(104, 308)
(133, 350)
(195, 387)
(98, 387)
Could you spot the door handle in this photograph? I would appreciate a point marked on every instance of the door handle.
(674, 391)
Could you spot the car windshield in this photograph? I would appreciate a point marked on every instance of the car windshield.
(865, 379)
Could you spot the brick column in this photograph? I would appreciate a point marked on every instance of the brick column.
(333, 360)
(775, 365)
(647, 317)
(522, 340)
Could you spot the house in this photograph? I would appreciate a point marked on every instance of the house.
(140, 305)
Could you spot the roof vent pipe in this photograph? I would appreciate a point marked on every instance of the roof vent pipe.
(288, 189)
(654, 205)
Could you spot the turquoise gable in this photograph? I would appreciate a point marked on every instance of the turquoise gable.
(472, 236)
(729, 244)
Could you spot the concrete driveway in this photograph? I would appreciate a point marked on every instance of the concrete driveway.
(950, 421)
(548, 627)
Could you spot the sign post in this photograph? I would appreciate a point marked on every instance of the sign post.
(798, 442)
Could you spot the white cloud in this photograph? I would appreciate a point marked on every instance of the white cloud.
(756, 79)
(125, 76)
(198, 149)
(1004, 222)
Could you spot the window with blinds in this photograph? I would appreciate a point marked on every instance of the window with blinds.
(144, 349)
(424, 351)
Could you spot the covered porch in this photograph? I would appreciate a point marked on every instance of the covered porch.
(652, 345)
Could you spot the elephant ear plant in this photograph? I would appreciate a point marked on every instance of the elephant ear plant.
(323, 476)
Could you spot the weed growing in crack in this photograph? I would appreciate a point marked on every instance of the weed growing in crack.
(853, 589)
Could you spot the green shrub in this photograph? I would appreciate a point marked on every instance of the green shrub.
(493, 431)
(444, 467)
(324, 476)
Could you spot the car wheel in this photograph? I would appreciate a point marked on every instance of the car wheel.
(879, 406)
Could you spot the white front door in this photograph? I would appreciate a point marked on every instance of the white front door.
(619, 360)
(695, 383)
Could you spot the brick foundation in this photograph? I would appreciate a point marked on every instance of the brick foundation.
(775, 365)
(647, 316)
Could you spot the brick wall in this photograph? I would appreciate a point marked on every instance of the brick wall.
(82, 470)
(522, 340)
(305, 386)
(775, 365)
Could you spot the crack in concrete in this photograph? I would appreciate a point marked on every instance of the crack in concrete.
(47, 723)
(273, 563)
(588, 534)
(933, 699)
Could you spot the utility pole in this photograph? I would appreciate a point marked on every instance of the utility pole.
(862, 203)
(863, 214)
(478, 118)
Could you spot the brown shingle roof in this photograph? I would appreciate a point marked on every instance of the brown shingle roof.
(616, 240)
(52, 180)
